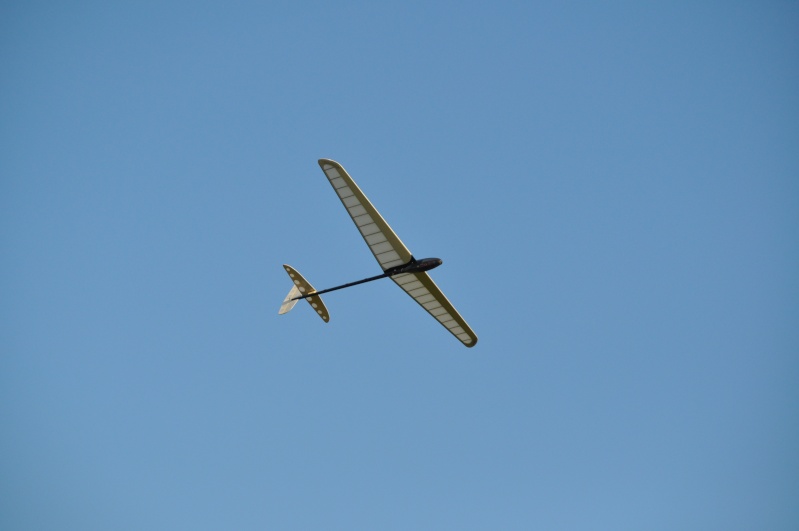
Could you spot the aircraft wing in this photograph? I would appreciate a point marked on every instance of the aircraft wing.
(382, 241)
(390, 251)
(424, 291)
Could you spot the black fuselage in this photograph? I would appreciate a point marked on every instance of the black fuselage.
(414, 266)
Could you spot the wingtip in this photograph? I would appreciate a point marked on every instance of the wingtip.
(323, 162)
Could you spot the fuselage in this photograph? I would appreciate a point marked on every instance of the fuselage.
(416, 266)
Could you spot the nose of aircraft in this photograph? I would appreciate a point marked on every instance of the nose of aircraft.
(432, 263)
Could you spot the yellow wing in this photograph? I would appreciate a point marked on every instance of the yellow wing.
(424, 291)
(390, 251)
(382, 241)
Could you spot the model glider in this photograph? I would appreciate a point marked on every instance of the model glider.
(394, 258)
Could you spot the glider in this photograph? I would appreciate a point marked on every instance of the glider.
(394, 258)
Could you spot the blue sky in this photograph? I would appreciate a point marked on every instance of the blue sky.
(614, 189)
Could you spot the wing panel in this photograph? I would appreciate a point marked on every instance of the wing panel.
(356, 210)
(381, 247)
(371, 229)
(425, 292)
(389, 251)
(363, 220)
(349, 201)
(373, 239)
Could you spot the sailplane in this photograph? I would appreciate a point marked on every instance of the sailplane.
(394, 258)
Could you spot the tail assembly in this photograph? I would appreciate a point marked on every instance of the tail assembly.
(302, 289)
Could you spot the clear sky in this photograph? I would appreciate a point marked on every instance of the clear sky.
(613, 188)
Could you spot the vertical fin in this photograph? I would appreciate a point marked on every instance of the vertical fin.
(288, 303)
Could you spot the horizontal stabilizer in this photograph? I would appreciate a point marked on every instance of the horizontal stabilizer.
(303, 290)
